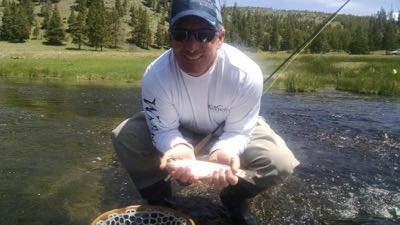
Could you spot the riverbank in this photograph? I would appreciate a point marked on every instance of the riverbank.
(375, 74)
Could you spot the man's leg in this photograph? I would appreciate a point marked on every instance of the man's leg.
(133, 145)
(267, 155)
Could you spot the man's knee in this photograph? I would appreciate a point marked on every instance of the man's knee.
(278, 163)
(133, 135)
(284, 162)
(268, 154)
(117, 130)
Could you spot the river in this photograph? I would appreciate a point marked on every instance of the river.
(57, 165)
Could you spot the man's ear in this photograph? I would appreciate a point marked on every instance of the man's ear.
(221, 38)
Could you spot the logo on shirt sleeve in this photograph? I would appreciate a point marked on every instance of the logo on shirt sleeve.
(152, 115)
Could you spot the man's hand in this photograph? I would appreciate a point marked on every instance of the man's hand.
(225, 178)
(178, 152)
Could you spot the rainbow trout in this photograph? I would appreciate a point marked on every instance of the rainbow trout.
(204, 169)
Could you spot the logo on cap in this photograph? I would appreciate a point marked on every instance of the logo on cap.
(206, 3)
(210, 10)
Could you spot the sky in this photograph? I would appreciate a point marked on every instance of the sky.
(355, 7)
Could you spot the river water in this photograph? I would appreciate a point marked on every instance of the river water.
(57, 164)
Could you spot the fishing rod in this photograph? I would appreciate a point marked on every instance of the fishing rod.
(304, 45)
(202, 143)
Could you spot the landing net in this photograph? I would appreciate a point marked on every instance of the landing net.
(143, 215)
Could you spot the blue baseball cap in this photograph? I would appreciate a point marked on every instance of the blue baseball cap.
(209, 10)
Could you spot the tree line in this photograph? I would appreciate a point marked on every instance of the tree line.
(285, 31)
(94, 24)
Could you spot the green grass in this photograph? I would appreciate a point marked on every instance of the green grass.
(127, 69)
(56, 63)
(375, 78)
(370, 74)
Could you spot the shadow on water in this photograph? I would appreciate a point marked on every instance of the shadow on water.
(58, 167)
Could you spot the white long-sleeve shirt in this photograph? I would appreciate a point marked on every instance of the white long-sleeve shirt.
(229, 91)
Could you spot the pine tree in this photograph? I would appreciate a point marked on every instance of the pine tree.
(71, 20)
(7, 19)
(266, 42)
(390, 35)
(234, 33)
(333, 39)
(320, 44)
(299, 38)
(45, 11)
(15, 25)
(259, 31)
(77, 25)
(26, 8)
(96, 24)
(55, 33)
(159, 39)
(78, 29)
(144, 35)
(23, 25)
(275, 40)
(359, 45)
(375, 35)
(288, 39)
(133, 23)
(114, 24)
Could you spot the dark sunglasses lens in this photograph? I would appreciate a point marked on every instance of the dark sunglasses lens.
(179, 35)
(205, 35)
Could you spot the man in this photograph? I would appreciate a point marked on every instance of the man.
(189, 91)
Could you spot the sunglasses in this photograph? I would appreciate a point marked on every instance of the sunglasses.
(201, 35)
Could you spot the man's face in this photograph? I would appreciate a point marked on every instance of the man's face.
(195, 57)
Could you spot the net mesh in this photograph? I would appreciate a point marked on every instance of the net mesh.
(139, 215)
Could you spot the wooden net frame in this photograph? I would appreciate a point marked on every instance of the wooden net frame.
(143, 215)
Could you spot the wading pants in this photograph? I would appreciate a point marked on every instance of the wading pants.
(266, 154)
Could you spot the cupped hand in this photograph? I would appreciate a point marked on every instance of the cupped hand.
(179, 152)
(227, 177)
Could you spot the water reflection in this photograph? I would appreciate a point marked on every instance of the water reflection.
(55, 147)
(57, 166)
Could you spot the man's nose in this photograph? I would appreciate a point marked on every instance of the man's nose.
(191, 44)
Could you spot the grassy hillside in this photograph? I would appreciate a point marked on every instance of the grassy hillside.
(64, 7)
